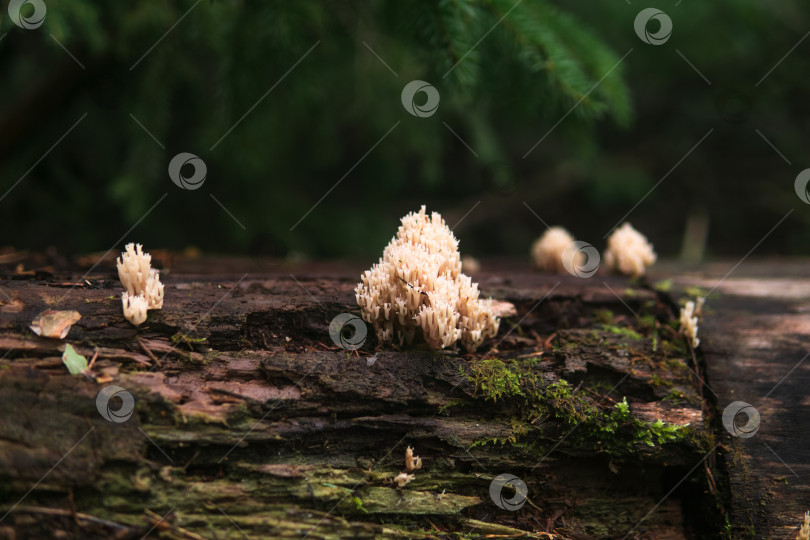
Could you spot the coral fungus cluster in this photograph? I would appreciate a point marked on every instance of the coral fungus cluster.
(547, 251)
(144, 290)
(690, 314)
(628, 252)
(417, 287)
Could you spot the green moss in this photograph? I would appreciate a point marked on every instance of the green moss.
(656, 380)
(519, 429)
(90, 300)
(495, 380)
(603, 316)
(647, 321)
(521, 392)
(190, 341)
(445, 409)
(621, 331)
(665, 285)
(358, 504)
(695, 291)
(674, 395)
(675, 347)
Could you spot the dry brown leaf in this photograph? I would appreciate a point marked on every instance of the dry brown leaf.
(53, 323)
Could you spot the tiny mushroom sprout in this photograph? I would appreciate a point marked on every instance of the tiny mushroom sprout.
(418, 285)
(144, 290)
(402, 479)
(412, 462)
(547, 251)
(689, 321)
(804, 530)
(629, 252)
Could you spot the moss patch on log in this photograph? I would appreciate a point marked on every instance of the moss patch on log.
(521, 391)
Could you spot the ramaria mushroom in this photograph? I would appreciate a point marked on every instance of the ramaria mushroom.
(402, 479)
(547, 251)
(689, 321)
(141, 281)
(629, 252)
(418, 285)
(412, 462)
(804, 530)
(138, 277)
(134, 308)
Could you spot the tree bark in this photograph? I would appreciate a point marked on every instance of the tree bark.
(250, 422)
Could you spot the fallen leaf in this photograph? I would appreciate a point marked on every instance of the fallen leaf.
(76, 363)
(53, 323)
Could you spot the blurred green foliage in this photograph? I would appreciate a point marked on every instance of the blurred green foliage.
(292, 103)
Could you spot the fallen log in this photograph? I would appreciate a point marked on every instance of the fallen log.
(249, 421)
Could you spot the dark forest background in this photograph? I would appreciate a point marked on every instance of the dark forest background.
(132, 84)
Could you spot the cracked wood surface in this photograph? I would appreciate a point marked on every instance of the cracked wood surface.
(250, 421)
(756, 344)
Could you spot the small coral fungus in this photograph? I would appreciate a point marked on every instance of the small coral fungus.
(547, 251)
(142, 283)
(629, 252)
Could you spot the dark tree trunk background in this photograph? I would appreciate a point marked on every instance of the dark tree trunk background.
(250, 422)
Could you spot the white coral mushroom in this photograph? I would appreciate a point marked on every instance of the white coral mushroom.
(689, 321)
(133, 268)
(154, 290)
(547, 251)
(140, 280)
(418, 284)
(402, 479)
(134, 308)
(412, 462)
(629, 252)
(804, 530)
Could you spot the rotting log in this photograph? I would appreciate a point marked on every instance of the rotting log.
(250, 422)
(756, 348)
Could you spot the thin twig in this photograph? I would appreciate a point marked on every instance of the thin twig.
(412, 287)
(68, 513)
(93, 360)
(149, 353)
